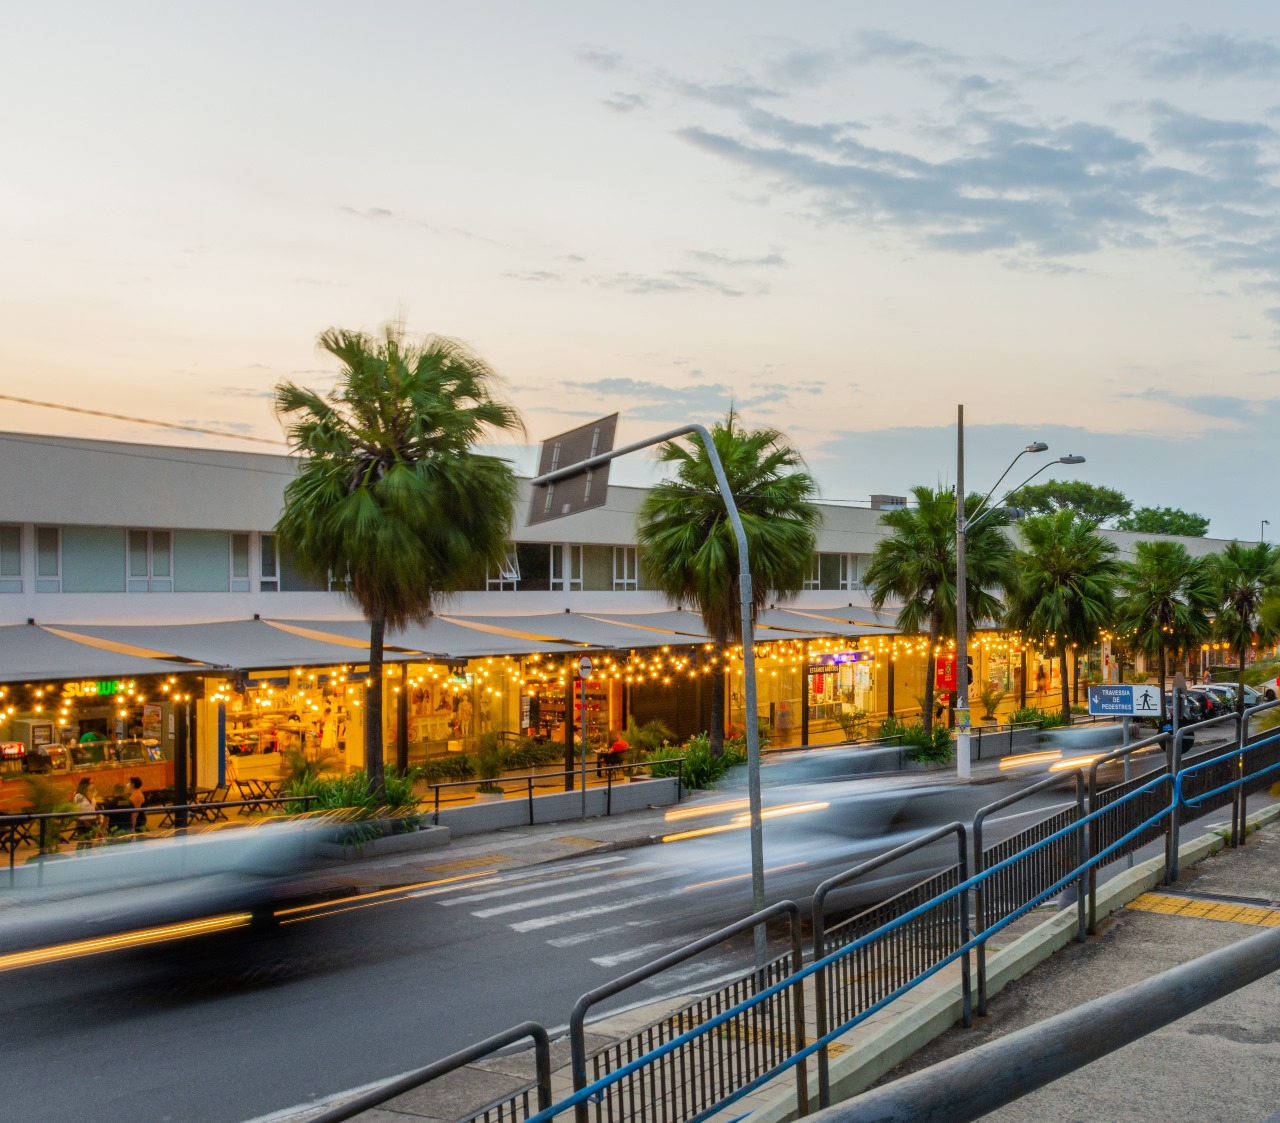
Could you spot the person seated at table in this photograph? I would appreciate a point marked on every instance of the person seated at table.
(138, 819)
(86, 802)
(613, 754)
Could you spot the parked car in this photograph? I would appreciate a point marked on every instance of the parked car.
(1269, 689)
(1211, 704)
(1227, 692)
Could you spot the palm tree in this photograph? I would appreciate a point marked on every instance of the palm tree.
(689, 549)
(1246, 583)
(1065, 587)
(1165, 597)
(916, 566)
(390, 499)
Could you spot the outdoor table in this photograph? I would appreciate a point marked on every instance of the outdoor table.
(257, 790)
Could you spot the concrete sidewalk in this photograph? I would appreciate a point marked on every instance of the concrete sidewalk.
(1221, 1062)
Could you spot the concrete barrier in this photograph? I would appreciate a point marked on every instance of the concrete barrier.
(558, 807)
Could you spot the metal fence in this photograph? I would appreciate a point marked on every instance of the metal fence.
(704, 1057)
(672, 1070)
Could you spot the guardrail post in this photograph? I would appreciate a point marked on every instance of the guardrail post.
(530, 779)
(965, 980)
(608, 791)
(435, 815)
(1175, 803)
(1240, 805)
(980, 913)
(1082, 857)
(797, 1014)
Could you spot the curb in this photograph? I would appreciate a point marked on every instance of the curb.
(862, 1065)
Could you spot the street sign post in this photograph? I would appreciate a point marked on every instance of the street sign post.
(584, 673)
(582, 490)
(1124, 701)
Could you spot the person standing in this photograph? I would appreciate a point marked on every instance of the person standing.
(138, 818)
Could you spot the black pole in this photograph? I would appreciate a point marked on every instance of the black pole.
(182, 739)
(569, 748)
(1022, 685)
(402, 723)
(804, 696)
(893, 666)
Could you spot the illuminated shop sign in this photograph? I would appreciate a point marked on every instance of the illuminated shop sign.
(823, 663)
(91, 689)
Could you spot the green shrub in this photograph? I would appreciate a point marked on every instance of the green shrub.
(927, 748)
(1046, 719)
(647, 738)
(701, 769)
(531, 753)
(990, 698)
(853, 723)
(443, 769)
(892, 727)
(351, 796)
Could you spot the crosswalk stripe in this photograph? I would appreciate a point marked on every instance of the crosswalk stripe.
(557, 898)
(528, 885)
(596, 933)
(631, 953)
(537, 922)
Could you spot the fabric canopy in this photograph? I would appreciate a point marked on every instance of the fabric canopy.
(30, 653)
(442, 638)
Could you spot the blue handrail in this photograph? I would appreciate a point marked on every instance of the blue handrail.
(1239, 751)
(595, 1089)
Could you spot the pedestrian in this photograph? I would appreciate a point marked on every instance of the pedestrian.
(1040, 679)
(138, 818)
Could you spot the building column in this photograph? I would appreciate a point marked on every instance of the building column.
(570, 669)
(804, 695)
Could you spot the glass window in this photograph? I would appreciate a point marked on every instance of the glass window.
(508, 575)
(239, 563)
(48, 560)
(812, 580)
(10, 559)
(566, 567)
(625, 570)
(150, 563)
(269, 566)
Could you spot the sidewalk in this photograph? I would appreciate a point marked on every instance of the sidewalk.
(1221, 1062)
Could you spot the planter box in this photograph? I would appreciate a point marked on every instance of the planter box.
(426, 838)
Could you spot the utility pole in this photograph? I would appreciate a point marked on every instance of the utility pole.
(962, 613)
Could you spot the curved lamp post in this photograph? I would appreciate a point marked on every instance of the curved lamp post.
(963, 526)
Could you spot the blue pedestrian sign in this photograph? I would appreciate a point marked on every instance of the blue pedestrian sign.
(1124, 701)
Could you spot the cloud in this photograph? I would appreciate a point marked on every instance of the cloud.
(375, 213)
(243, 392)
(657, 401)
(1220, 406)
(626, 103)
(1212, 56)
(708, 258)
(599, 58)
(534, 275)
(673, 281)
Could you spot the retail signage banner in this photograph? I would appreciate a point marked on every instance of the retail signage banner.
(823, 663)
(1124, 701)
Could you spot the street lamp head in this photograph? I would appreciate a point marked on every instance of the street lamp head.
(1070, 459)
(1036, 446)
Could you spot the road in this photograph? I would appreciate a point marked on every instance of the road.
(229, 1028)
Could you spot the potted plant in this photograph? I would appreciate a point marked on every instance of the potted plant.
(990, 698)
(489, 766)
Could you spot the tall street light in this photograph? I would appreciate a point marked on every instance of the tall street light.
(1262, 530)
(748, 644)
(963, 526)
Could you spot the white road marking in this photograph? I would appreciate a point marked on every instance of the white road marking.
(557, 898)
(530, 885)
(582, 914)
(595, 933)
(1052, 809)
(631, 953)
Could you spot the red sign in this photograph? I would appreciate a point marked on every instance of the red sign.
(944, 675)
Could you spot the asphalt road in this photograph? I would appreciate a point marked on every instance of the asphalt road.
(238, 1026)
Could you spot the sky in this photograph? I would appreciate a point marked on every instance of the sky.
(842, 218)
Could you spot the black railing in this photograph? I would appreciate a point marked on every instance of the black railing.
(33, 828)
(687, 1081)
(530, 783)
(511, 1108)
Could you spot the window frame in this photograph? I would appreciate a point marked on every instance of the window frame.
(13, 582)
(508, 578)
(49, 582)
(152, 581)
(267, 548)
(239, 584)
(629, 579)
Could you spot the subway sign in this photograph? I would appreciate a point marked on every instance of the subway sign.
(90, 688)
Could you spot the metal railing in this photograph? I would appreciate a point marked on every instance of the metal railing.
(514, 1107)
(859, 981)
(691, 1073)
(32, 827)
(1026, 868)
(531, 781)
(698, 1061)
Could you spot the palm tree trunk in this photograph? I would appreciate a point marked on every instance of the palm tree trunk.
(1066, 689)
(715, 734)
(373, 705)
(930, 665)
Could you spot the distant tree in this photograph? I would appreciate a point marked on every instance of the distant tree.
(916, 567)
(1247, 589)
(1090, 501)
(1165, 520)
(689, 551)
(1165, 597)
(390, 494)
(1066, 578)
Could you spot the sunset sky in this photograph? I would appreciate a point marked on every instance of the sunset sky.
(843, 217)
